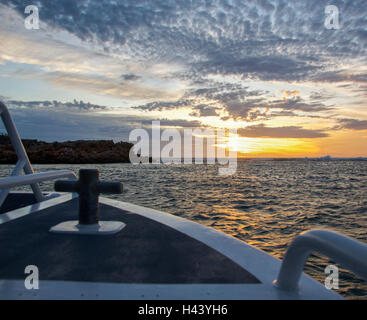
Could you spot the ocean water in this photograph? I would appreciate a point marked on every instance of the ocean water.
(266, 203)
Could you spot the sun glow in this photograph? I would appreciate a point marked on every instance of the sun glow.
(259, 147)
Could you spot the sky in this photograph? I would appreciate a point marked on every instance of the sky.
(271, 69)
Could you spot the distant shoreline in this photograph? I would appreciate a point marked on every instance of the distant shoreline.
(100, 152)
(70, 152)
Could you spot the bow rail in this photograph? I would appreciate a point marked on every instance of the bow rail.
(23, 163)
(346, 251)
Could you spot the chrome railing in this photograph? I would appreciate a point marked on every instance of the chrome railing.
(346, 251)
(15, 178)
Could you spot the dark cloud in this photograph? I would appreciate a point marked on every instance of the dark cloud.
(246, 109)
(76, 105)
(54, 125)
(180, 123)
(208, 101)
(341, 76)
(257, 67)
(352, 124)
(222, 92)
(261, 131)
(299, 104)
(239, 102)
(205, 111)
(165, 105)
(130, 77)
(240, 109)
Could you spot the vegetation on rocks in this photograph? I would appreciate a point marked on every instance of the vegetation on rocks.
(70, 152)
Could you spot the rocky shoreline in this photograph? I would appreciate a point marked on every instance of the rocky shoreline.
(70, 152)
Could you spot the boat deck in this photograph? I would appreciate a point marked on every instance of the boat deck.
(17, 200)
(145, 251)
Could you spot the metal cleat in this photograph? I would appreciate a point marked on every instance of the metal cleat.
(89, 188)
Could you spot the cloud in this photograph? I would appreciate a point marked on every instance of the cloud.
(179, 123)
(204, 111)
(262, 131)
(60, 121)
(268, 40)
(67, 106)
(165, 105)
(221, 92)
(341, 76)
(352, 124)
(209, 101)
(362, 92)
(291, 93)
(130, 77)
(299, 104)
(257, 67)
(110, 87)
(164, 55)
(239, 102)
(63, 60)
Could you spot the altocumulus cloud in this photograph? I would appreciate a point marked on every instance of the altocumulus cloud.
(265, 40)
(268, 39)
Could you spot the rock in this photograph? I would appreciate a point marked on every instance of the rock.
(70, 152)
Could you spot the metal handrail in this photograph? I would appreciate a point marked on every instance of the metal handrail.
(346, 251)
(17, 181)
(23, 163)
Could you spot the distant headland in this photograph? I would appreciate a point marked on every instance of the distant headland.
(70, 152)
